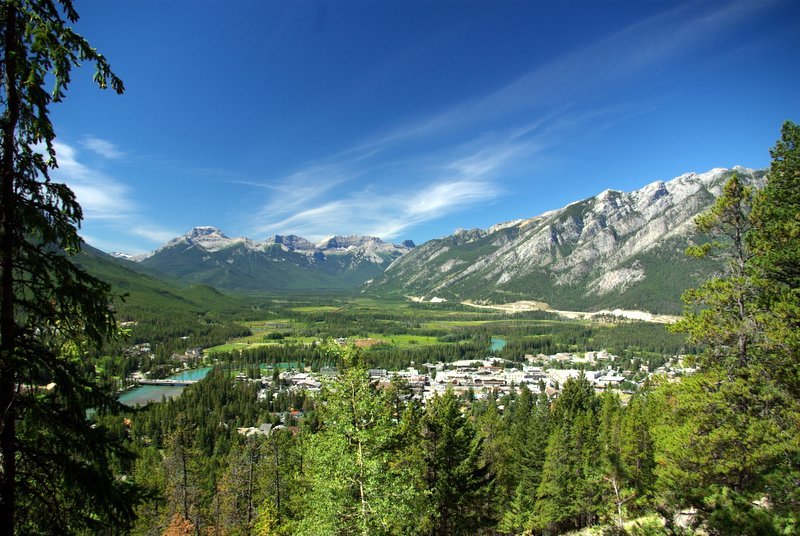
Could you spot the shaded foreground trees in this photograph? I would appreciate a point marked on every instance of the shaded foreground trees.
(51, 458)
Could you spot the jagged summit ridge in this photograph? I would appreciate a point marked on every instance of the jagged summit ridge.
(207, 255)
(213, 239)
(590, 252)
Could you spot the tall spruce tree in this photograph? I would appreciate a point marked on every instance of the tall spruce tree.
(50, 311)
(721, 312)
(727, 441)
(458, 482)
(566, 497)
(636, 450)
(530, 445)
(775, 242)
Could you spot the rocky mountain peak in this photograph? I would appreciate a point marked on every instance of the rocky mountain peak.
(344, 242)
(604, 250)
(292, 242)
(205, 231)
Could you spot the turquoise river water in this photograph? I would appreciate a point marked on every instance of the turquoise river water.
(497, 344)
(145, 394)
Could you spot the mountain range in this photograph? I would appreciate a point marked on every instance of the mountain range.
(205, 255)
(613, 250)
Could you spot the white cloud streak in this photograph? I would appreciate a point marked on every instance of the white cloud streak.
(153, 234)
(387, 209)
(537, 111)
(101, 197)
(569, 80)
(104, 148)
(387, 215)
(107, 203)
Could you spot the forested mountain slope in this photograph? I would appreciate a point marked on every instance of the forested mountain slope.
(146, 293)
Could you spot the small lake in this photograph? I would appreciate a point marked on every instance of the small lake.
(497, 344)
(145, 394)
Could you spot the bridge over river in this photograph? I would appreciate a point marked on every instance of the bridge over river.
(171, 382)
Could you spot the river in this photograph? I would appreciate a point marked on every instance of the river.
(145, 394)
(497, 344)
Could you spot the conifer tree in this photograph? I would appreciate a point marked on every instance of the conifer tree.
(499, 449)
(183, 465)
(50, 311)
(727, 441)
(567, 496)
(613, 471)
(554, 508)
(775, 242)
(636, 450)
(725, 321)
(353, 486)
(458, 482)
(240, 489)
(530, 456)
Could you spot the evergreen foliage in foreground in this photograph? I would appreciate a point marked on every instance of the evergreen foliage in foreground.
(56, 469)
(728, 444)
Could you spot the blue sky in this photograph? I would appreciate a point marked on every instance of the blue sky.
(409, 119)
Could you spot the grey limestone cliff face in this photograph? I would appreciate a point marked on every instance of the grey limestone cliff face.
(589, 252)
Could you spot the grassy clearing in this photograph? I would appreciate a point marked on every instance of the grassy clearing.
(273, 323)
(256, 340)
(447, 324)
(306, 309)
(407, 341)
(227, 347)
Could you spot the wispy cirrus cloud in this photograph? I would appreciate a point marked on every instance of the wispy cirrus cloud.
(569, 81)
(104, 148)
(318, 204)
(386, 214)
(451, 160)
(100, 196)
(108, 204)
(296, 191)
(155, 235)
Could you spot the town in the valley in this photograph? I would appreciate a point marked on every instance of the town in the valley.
(474, 379)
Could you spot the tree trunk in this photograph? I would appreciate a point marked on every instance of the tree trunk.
(8, 326)
(250, 489)
(277, 480)
(185, 487)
